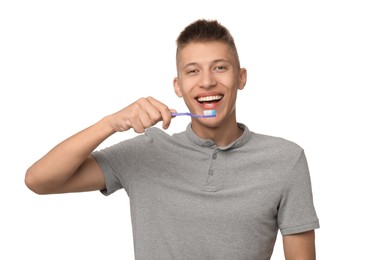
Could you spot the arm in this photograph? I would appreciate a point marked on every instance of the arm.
(299, 246)
(69, 167)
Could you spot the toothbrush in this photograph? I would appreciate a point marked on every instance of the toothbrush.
(206, 114)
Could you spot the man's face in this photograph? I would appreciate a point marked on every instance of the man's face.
(208, 79)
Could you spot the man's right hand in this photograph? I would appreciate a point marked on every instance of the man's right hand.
(140, 115)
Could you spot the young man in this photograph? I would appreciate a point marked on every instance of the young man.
(213, 191)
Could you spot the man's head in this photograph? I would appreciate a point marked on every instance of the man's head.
(205, 31)
(208, 72)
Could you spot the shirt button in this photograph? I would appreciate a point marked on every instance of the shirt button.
(208, 143)
(211, 172)
(214, 156)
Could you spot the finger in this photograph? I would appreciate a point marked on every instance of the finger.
(149, 114)
(151, 107)
(173, 111)
(138, 126)
(165, 112)
(142, 114)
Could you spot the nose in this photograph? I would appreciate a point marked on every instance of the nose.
(207, 80)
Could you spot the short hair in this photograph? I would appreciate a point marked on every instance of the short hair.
(203, 30)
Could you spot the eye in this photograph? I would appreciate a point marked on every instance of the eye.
(191, 71)
(220, 68)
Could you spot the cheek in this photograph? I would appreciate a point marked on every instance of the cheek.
(230, 81)
(187, 86)
(185, 92)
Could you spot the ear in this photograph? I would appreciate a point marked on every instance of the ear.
(243, 76)
(176, 86)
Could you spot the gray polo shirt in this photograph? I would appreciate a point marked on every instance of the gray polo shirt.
(190, 199)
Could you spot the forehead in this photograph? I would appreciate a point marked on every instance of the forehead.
(204, 53)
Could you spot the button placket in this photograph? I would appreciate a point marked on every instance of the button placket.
(211, 170)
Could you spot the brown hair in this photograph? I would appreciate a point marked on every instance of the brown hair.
(204, 30)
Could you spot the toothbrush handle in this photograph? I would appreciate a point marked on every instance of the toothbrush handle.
(182, 114)
(191, 115)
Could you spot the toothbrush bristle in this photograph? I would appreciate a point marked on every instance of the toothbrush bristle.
(210, 113)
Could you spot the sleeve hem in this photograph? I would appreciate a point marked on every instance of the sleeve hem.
(108, 179)
(299, 228)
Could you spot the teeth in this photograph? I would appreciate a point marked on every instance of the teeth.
(209, 98)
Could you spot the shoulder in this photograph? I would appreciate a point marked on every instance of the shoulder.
(275, 143)
(280, 152)
(155, 134)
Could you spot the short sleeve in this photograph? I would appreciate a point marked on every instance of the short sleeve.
(111, 179)
(296, 211)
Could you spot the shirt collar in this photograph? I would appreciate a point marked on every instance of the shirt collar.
(193, 138)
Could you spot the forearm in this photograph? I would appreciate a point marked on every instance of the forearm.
(68, 167)
(60, 163)
(300, 246)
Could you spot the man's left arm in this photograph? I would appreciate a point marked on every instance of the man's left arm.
(300, 246)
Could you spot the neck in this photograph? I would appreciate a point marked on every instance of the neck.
(222, 135)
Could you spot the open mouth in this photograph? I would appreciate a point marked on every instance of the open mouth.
(207, 100)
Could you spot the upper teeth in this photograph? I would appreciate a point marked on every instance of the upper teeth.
(209, 98)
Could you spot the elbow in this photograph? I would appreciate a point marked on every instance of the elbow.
(32, 182)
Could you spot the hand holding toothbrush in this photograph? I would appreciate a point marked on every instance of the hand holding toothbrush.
(146, 112)
(140, 115)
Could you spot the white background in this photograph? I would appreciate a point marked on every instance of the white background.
(317, 75)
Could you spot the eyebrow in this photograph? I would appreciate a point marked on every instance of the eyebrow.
(220, 60)
(190, 64)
